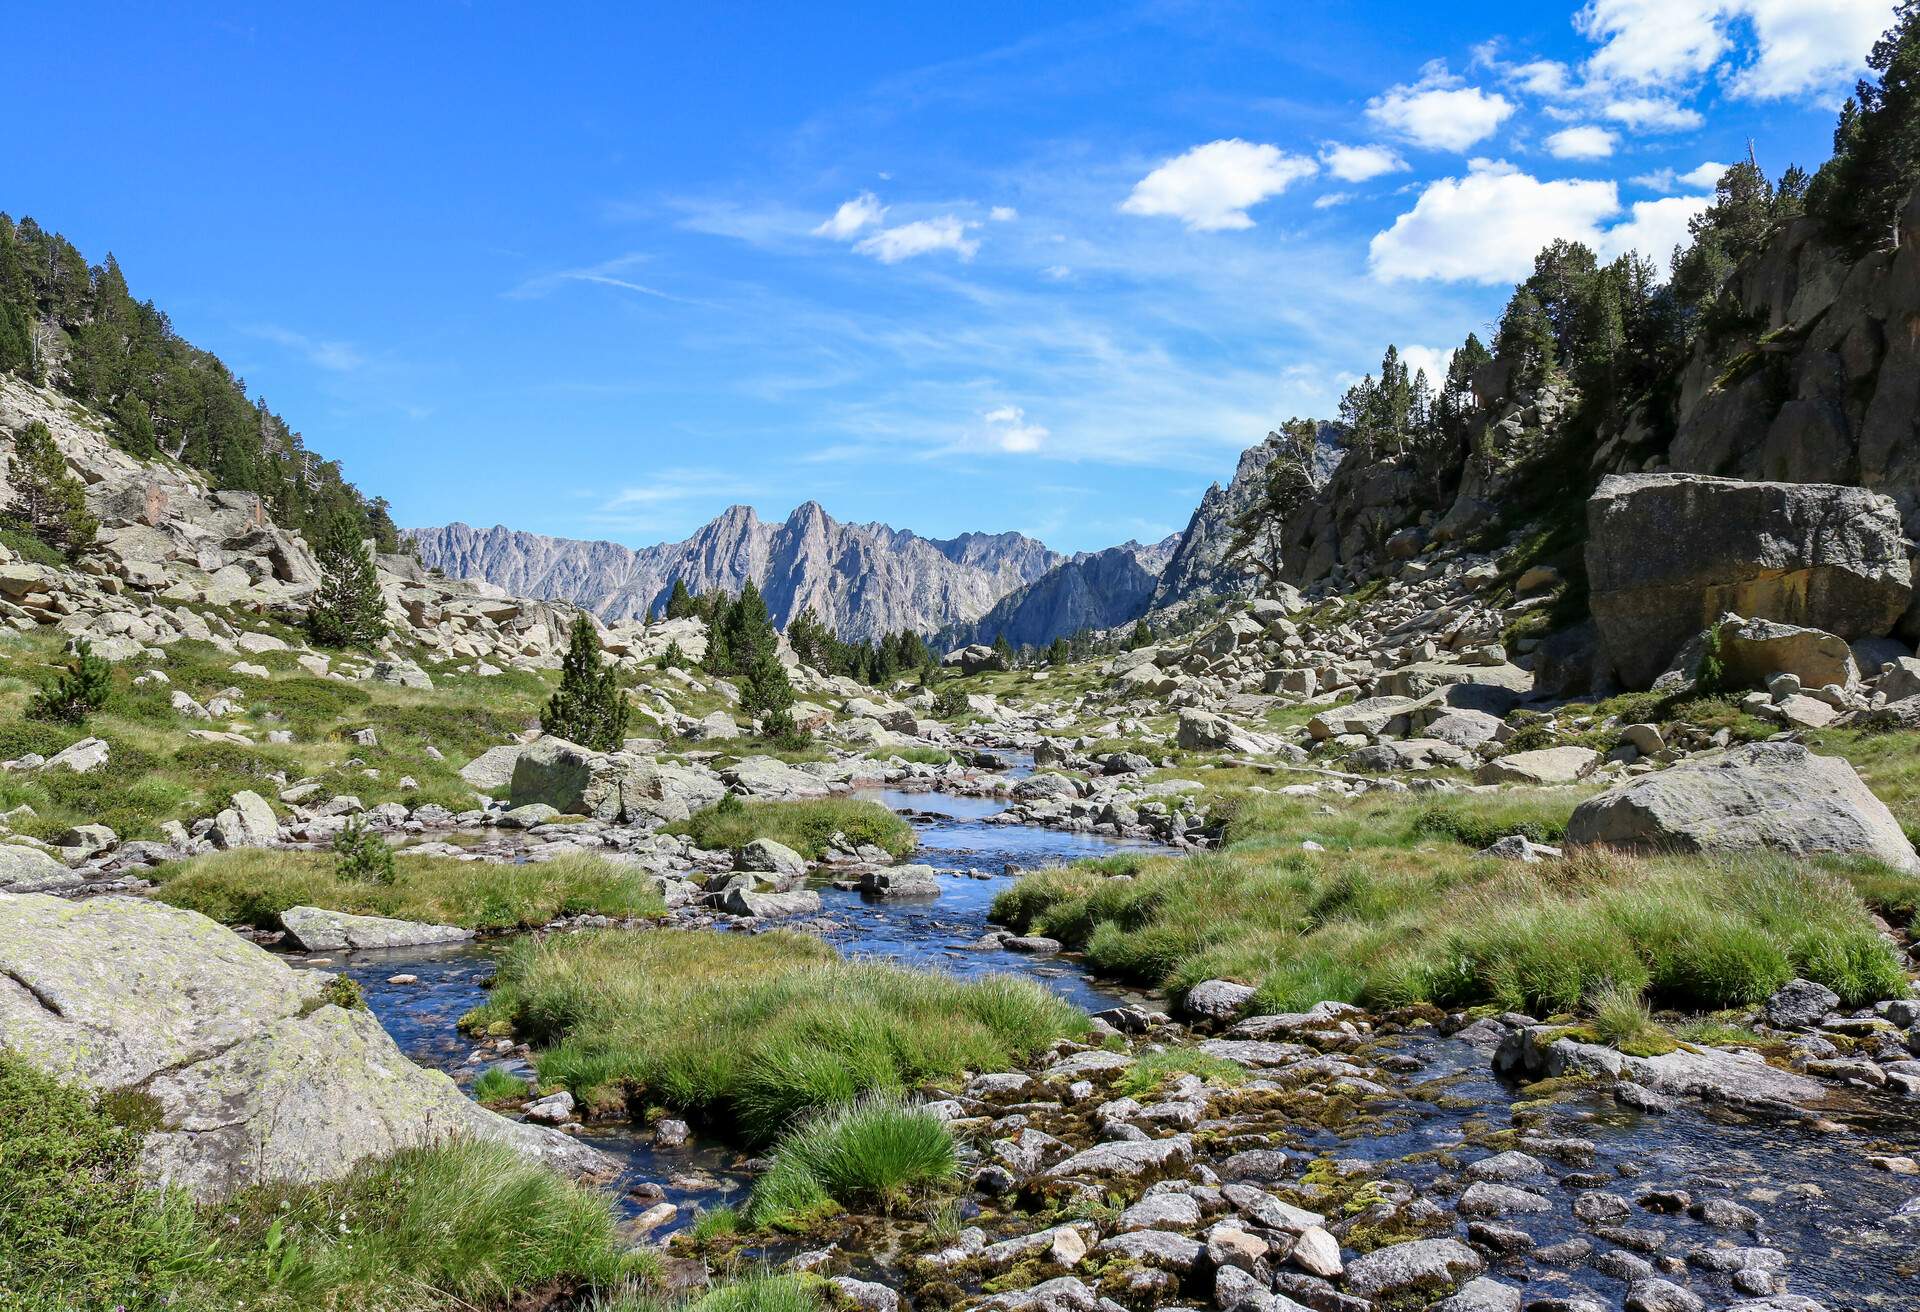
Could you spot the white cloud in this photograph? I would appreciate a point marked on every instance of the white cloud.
(1332, 199)
(1008, 430)
(1655, 228)
(1805, 45)
(337, 357)
(1797, 46)
(1704, 178)
(1584, 142)
(1652, 114)
(1056, 273)
(852, 216)
(1359, 163)
(1439, 112)
(1003, 214)
(1652, 42)
(1211, 187)
(1486, 227)
(1430, 358)
(1543, 77)
(921, 237)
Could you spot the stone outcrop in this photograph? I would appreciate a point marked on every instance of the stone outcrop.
(1774, 796)
(618, 787)
(1815, 555)
(252, 1073)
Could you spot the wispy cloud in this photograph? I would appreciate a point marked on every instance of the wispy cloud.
(608, 273)
(336, 356)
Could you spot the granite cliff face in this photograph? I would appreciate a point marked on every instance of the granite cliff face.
(861, 579)
(1091, 590)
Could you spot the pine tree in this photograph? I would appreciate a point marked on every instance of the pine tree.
(348, 611)
(589, 708)
(49, 502)
(1059, 652)
(1003, 649)
(680, 602)
(1288, 483)
(765, 693)
(74, 695)
(1857, 195)
(1142, 635)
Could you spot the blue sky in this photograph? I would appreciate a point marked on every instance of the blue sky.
(599, 271)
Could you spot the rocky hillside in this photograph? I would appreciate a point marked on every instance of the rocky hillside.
(862, 580)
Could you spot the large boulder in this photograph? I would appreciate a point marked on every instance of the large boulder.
(248, 822)
(1818, 555)
(492, 770)
(974, 659)
(617, 787)
(26, 869)
(1777, 796)
(250, 1070)
(1753, 651)
(1541, 768)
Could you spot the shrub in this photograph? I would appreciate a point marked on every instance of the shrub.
(361, 855)
(870, 1153)
(70, 697)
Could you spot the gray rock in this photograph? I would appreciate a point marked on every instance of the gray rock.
(1126, 1161)
(492, 770)
(317, 930)
(1481, 1295)
(1156, 1248)
(1820, 555)
(1484, 1198)
(1217, 1000)
(1753, 651)
(1801, 1004)
(26, 869)
(741, 902)
(867, 1295)
(900, 881)
(1518, 847)
(1771, 795)
(248, 822)
(1507, 1167)
(1162, 1212)
(1725, 1075)
(1427, 1266)
(767, 856)
(1547, 766)
(82, 757)
(252, 1075)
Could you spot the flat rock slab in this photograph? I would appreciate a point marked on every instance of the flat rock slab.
(26, 869)
(317, 930)
(254, 1076)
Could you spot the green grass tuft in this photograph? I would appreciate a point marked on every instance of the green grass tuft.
(872, 1153)
(809, 826)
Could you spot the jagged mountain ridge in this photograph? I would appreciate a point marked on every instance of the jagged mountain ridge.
(863, 580)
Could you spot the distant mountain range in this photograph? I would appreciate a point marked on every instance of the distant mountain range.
(865, 580)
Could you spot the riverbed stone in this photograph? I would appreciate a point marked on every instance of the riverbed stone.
(318, 930)
(253, 1075)
(1126, 1161)
(1482, 1294)
(1155, 1248)
(767, 856)
(1317, 1252)
(1217, 999)
(913, 881)
(1061, 1294)
(1427, 1266)
(1801, 1004)
(1483, 1198)
(744, 902)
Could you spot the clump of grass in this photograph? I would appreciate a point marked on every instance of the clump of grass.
(1622, 1019)
(921, 755)
(756, 1032)
(463, 1224)
(1156, 1068)
(872, 1153)
(498, 1084)
(809, 826)
(715, 1224)
(255, 886)
(78, 1229)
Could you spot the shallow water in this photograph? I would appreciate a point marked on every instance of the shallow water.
(935, 933)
